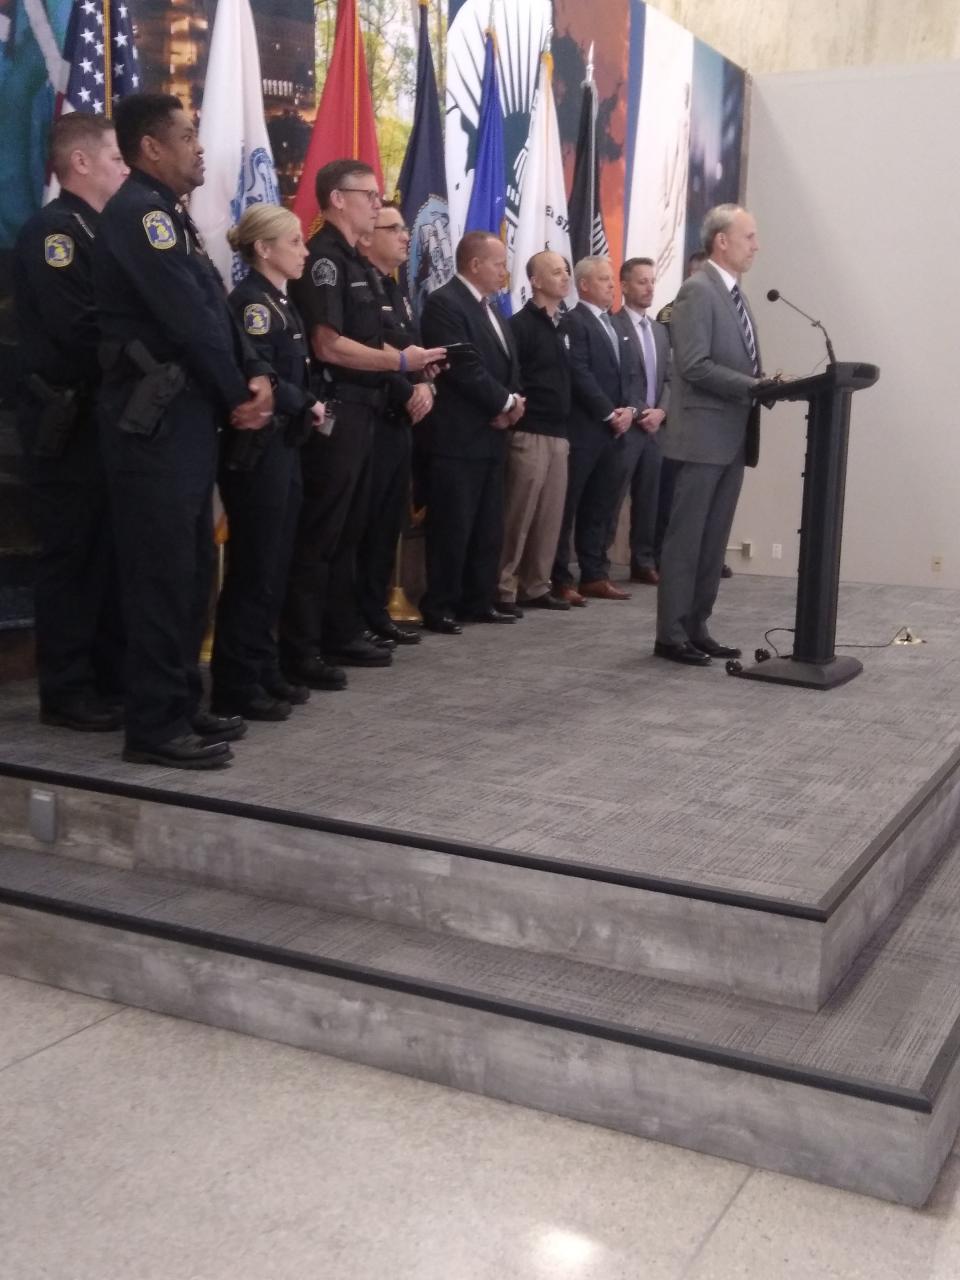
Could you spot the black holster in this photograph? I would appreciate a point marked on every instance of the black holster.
(243, 450)
(59, 410)
(154, 392)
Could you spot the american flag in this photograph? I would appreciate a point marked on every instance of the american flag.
(101, 55)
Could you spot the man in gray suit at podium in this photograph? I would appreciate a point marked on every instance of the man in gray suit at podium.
(712, 432)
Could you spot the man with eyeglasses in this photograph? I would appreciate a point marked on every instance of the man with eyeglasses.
(339, 297)
(410, 400)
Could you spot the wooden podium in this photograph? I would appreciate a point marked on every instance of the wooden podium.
(813, 663)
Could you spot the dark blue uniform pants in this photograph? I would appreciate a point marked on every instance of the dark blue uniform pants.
(161, 493)
(389, 500)
(262, 506)
(79, 633)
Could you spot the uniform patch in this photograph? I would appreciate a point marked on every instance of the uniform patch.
(160, 229)
(256, 319)
(58, 250)
(323, 272)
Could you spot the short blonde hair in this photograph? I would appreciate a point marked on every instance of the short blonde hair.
(260, 222)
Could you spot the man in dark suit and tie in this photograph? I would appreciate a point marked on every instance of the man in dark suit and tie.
(711, 433)
(477, 402)
(641, 444)
(605, 375)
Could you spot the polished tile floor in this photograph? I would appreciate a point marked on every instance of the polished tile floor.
(138, 1147)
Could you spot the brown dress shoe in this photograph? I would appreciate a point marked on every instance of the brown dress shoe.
(603, 590)
(571, 597)
(649, 576)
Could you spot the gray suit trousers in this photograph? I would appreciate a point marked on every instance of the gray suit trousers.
(701, 517)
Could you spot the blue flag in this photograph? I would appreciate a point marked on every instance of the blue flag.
(488, 200)
(422, 185)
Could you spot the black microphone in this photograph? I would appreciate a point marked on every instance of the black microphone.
(774, 295)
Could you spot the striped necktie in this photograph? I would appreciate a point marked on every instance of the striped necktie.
(746, 326)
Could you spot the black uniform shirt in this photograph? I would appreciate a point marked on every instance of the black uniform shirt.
(53, 286)
(399, 330)
(341, 290)
(543, 353)
(274, 328)
(154, 281)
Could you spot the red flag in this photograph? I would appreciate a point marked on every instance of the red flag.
(344, 126)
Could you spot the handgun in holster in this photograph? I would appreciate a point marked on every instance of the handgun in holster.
(244, 449)
(154, 392)
(59, 408)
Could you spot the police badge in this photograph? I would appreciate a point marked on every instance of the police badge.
(323, 272)
(256, 319)
(58, 250)
(160, 229)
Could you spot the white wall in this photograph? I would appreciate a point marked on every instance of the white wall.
(855, 182)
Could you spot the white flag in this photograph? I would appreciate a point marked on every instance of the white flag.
(542, 222)
(239, 160)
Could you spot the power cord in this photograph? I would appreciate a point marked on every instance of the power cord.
(902, 632)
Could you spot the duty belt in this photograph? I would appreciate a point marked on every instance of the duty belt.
(351, 393)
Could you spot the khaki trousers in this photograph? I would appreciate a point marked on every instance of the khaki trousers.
(536, 488)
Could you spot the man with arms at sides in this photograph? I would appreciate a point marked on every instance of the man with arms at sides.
(78, 636)
(536, 469)
(715, 369)
(340, 299)
(409, 400)
(641, 444)
(478, 401)
(606, 379)
(176, 367)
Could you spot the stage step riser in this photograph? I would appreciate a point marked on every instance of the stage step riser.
(763, 954)
(866, 1146)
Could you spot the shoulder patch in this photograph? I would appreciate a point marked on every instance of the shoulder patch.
(160, 230)
(58, 250)
(323, 272)
(256, 319)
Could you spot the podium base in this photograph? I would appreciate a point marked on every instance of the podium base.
(805, 675)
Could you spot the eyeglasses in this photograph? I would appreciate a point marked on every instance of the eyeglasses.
(399, 227)
(373, 196)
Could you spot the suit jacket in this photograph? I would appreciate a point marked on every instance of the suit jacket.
(600, 383)
(712, 414)
(623, 322)
(469, 394)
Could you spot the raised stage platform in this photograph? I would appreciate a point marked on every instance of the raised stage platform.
(538, 862)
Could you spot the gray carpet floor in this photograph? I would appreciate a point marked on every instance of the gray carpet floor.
(885, 1024)
(563, 736)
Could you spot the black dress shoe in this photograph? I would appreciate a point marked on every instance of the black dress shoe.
(508, 606)
(253, 704)
(442, 623)
(185, 752)
(488, 615)
(213, 728)
(709, 646)
(86, 713)
(375, 638)
(547, 601)
(686, 653)
(360, 653)
(317, 674)
(399, 635)
(295, 694)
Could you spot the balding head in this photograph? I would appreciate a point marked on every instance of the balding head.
(549, 274)
(730, 237)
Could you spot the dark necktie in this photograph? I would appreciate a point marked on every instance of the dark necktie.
(745, 326)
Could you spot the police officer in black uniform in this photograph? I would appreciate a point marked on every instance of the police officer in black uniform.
(259, 476)
(176, 367)
(409, 400)
(339, 298)
(78, 632)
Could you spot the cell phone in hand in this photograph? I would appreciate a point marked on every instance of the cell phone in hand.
(461, 352)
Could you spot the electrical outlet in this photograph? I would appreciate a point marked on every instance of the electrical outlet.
(777, 551)
(936, 563)
(746, 549)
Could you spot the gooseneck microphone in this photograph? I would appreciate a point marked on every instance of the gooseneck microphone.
(774, 295)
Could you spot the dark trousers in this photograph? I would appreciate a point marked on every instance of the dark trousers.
(320, 609)
(262, 506)
(79, 632)
(464, 535)
(641, 480)
(386, 515)
(704, 505)
(161, 495)
(668, 479)
(594, 478)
